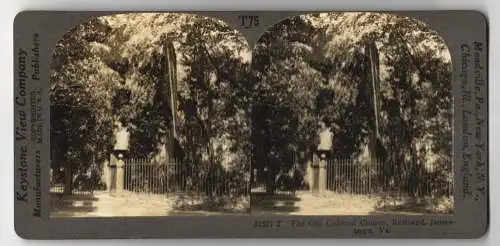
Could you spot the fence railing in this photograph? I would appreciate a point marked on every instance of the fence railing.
(147, 176)
(342, 176)
(348, 176)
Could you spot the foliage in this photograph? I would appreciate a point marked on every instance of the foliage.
(284, 118)
(80, 94)
(322, 59)
(234, 111)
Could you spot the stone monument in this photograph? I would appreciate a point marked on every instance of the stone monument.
(116, 174)
(322, 153)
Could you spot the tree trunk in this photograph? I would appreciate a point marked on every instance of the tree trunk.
(270, 184)
(374, 78)
(375, 84)
(68, 178)
(373, 154)
(170, 79)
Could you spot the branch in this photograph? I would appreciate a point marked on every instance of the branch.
(240, 86)
(217, 69)
(409, 54)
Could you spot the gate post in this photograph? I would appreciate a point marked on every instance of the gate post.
(323, 151)
(120, 174)
(322, 174)
(119, 150)
(111, 173)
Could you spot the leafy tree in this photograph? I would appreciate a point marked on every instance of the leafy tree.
(323, 58)
(415, 91)
(284, 121)
(211, 91)
(213, 96)
(184, 86)
(80, 92)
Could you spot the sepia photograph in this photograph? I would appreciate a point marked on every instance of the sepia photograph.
(161, 114)
(352, 116)
(149, 118)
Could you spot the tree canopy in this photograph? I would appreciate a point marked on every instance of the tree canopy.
(313, 68)
(234, 104)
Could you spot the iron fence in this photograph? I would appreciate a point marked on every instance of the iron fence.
(343, 175)
(348, 176)
(147, 176)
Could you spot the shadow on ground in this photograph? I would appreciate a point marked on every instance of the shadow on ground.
(186, 205)
(279, 204)
(72, 205)
(407, 205)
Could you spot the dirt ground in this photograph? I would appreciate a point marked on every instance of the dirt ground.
(331, 203)
(306, 203)
(105, 204)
